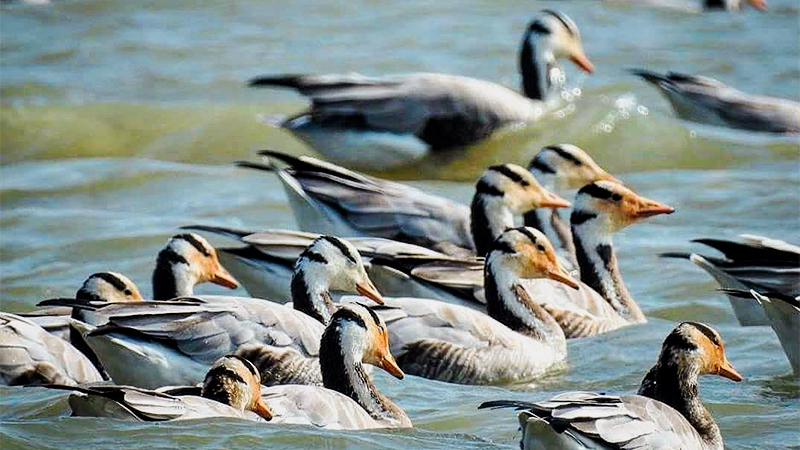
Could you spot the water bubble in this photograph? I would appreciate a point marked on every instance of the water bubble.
(641, 109)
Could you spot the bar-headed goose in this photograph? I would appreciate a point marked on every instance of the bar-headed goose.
(377, 123)
(29, 355)
(349, 399)
(709, 101)
(562, 167)
(783, 312)
(757, 262)
(160, 343)
(666, 413)
(329, 199)
(231, 388)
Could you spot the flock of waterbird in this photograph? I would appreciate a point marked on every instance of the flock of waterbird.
(418, 284)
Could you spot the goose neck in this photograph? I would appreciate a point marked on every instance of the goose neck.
(173, 276)
(535, 65)
(311, 295)
(490, 218)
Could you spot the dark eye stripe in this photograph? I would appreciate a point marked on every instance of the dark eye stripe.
(374, 316)
(510, 174)
(708, 331)
(564, 154)
(578, 217)
(341, 246)
(538, 27)
(596, 191)
(169, 256)
(348, 314)
(566, 21)
(483, 187)
(527, 232)
(541, 166)
(111, 279)
(313, 256)
(195, 243)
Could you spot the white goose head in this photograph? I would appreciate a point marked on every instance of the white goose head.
(329, 263)
(549, 37)
(236, 382)
(501, 192)
(109, 287)
(609, 207)
(526, 253)
(188, 259)
(569, 167)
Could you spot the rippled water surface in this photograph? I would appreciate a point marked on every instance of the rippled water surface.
(119, 120)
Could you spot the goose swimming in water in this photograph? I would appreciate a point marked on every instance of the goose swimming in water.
(348, 398)
(231, 388)
(377, 123)
(161, 343)
(667, 412)
(709, 101)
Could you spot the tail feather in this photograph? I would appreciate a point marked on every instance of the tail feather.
(649, 76)
(498, 404)
(678, 255)
(290, 81)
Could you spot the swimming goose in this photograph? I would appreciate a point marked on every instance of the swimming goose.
(783, 312)
(330, 199)
(231, 388)
(349, 399)
(667, 413)
(759, 263)
(377, 123)
(29, 355)
(709, 101)
(160, 343)
(559, 167)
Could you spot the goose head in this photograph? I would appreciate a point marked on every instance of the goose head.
(188, 259)
(569, 166)
(526, 252)
(361, 329)
(109, 287)
(330, 263)
(517, 188)
(610, 207)
(697, 349)
(236, 382)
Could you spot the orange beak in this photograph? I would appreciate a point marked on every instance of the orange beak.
(726, 370)
(389, 364)
(553, 201)
(760, 5)
(646, 207)
(580, 60)
(262, 409)
(222, 277)
(561, 275)
(370, 291)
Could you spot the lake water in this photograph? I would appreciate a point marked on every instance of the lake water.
(119, 121)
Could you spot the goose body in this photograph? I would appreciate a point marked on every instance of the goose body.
(755, 262)
(377, 123)
(706, 100)
(31, 355)
(667, 413)
(348, 398)
(231, 389)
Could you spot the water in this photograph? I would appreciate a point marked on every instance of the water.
(119, 121)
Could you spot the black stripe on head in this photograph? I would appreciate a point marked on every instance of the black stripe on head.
(483, 187)
(527, 232)
(564, 154)
(510, 174)
(708, 331)
(248, 364)
(170, 257)
(578, 217)
(596, 191)
(341, 246)
(679, 341)
(540, 165)
(348, 314)
(536, 26)
(313, 256)
(572, 29)
(374, 316)
(222, 371)
(188, 237)
(83, 294)
(113, 280)
(502, 245)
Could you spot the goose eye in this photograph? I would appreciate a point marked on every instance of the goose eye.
(616, 197)
(540, 247)
(128, 292)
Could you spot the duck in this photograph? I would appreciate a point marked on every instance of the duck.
(348, 398)
(516, 342)
(562, 167)
(667, 411)
(326, 198)
(29, 355)
(231, 388)
(754, 262)
(783, 312)
(378, 123)
(709, 101)
(172, 343)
